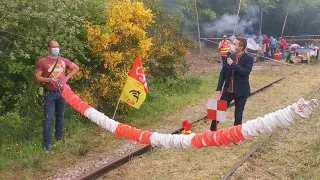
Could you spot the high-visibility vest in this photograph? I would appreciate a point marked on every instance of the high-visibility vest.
(225, 48)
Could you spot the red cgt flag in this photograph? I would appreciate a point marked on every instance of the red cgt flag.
(135, 90)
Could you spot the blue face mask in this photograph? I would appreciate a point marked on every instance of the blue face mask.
(55, 51)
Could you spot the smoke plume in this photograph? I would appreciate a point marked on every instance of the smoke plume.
(248, 26)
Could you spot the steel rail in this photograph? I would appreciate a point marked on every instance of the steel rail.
(105, 168)
(253, 150)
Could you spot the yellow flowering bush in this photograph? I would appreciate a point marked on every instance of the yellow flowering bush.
(116, 45)
(84, 73)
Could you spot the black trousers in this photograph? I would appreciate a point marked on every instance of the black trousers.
(240, 102)
(224, 58)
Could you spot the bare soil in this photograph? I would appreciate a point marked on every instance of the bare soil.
(210, 60)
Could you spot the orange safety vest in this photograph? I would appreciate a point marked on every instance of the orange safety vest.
(225, 48)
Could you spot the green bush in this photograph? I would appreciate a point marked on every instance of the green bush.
(25, 29)
(170, 46)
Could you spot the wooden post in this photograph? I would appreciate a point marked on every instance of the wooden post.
(284, 24)
(195, 6)
(235, 26)
(261, 24)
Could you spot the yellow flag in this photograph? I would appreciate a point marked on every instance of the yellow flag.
(135, 90)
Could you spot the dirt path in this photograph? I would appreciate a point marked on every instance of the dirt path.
(210, 61)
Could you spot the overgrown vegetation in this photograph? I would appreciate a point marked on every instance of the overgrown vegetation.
(26, 27)
(104, 37)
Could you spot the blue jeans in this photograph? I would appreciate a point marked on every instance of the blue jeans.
(53, 104)
(283, 53)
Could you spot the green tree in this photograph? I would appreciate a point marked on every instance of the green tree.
(302, 18)
(170, 45)
(187, 13)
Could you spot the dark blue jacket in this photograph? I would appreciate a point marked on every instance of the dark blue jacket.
(241, 86)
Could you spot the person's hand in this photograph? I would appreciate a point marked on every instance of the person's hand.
(229, 61)
(218, 95)
(52, 80)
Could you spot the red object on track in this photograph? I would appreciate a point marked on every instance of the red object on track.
(277, 56)
(186, 125)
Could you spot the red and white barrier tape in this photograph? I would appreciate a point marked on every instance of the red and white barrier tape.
(303, 39)
(211, 38)
(210, 41)
(302, 36)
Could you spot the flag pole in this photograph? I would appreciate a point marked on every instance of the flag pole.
(115, 111)
(261, 24)
(199, 36)
(136, 82)
(284, 24)
(235, 26)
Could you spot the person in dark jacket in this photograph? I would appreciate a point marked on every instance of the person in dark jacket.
(233, 82)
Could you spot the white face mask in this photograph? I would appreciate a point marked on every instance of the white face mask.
(233, 49)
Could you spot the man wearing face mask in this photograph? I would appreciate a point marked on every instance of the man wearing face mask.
(51, 70)
(233, 82)
(224, 47)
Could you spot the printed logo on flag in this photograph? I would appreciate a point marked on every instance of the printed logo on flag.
(135, 94)
(217, 110)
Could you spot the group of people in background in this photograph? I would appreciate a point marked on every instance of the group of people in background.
(271, 46)
(274, 46)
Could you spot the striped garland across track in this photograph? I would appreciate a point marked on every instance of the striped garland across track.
(267, 124)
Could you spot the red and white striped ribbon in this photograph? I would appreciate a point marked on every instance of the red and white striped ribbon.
(268, 123)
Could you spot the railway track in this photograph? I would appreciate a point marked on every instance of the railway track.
(100, 171)
(254, 149)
